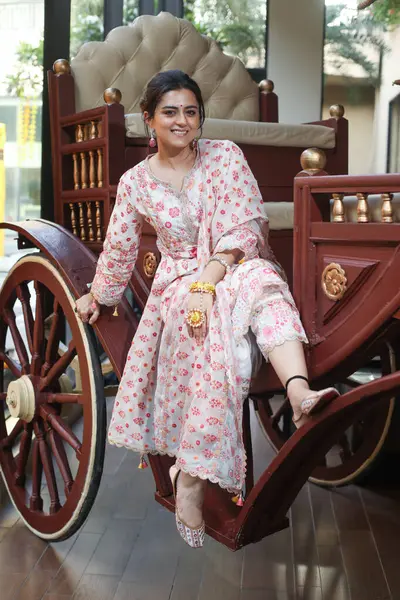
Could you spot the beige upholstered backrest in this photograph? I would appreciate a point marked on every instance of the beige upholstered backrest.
(131, 55)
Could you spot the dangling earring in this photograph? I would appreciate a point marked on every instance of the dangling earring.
(152, 140)
(194, 143)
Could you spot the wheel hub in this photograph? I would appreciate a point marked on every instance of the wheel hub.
(21, 399)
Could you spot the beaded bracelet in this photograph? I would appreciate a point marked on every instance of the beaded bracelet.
(222, 262)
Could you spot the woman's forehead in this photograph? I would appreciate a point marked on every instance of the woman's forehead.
(178, 98)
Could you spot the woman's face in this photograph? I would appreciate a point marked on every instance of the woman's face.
(176, 119)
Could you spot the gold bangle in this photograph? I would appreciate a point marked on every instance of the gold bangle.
(199, 286)
(195, 317)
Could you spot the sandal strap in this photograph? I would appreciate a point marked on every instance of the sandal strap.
(295, 377)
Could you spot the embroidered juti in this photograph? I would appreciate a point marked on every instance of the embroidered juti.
(175, 397)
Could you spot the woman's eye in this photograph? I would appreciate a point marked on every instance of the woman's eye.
(169, 113)
(191, 113)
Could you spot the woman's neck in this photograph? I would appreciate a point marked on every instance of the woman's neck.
(175, 158)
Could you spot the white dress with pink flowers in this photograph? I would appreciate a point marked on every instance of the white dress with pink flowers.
(175, 397)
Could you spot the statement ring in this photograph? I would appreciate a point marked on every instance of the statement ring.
(195, 317)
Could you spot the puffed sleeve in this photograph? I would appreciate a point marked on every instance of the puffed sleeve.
(240, 221)
(120, 249)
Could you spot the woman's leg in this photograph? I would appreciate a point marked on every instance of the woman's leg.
(190, 498)
(288, 360)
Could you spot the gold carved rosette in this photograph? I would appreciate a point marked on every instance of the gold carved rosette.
(334, 281)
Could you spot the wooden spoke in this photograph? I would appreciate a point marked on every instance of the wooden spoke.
(11, 364)
(9, 317)
(65, 432)
(8, 441)
(51, 398)
(345, 450)
(281, 410)
(47, 468)
(36, 502)
(38, 331)
(59, 367)
(24, 296)
(60, 455)
(24, 448)
(54, 338)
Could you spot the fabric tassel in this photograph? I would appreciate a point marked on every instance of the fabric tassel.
(115, 313)
(142, 464)
(239, 499)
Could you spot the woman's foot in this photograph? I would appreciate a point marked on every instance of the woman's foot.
(306, 402)
(189, 498)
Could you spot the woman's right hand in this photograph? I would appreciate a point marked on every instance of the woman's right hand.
(88, 309)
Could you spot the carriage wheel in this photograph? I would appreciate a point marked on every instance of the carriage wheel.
(356, 455)
(52, 471)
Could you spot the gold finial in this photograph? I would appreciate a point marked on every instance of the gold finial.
(313, 160)
(61, 67)
(266, 85)
(336, 111)
(112, 96)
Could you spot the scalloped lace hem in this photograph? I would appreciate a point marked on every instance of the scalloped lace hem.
(193, 473)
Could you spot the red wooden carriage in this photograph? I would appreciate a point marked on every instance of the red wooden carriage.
(343, 250)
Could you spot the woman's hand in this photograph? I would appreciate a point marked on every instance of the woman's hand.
(199, 333)
(85, 306)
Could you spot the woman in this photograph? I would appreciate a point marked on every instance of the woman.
(217, 296)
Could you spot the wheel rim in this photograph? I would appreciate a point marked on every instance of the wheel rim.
(51, 472)
(353, 456)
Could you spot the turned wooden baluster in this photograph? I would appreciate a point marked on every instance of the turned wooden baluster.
(92, 169)
(84, 171)
(79, 133)
(100, 167)
(98, 221)
(362, 208)
(73, 218)
(90, 222)
(76, 171)
(93, 130)
(81, 222)
(338, 208)
(387, 208)
(36, 502)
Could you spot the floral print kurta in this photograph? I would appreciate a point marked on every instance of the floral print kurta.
(175, 397)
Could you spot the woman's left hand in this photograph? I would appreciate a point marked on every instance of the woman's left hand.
(194, 302)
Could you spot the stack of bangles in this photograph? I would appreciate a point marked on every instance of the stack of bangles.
(196, 316)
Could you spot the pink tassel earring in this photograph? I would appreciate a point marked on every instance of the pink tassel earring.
(194, 144)
(152, 140)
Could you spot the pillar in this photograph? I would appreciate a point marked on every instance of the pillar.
(295, 57)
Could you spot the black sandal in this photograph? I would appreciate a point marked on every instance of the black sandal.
(318, 400)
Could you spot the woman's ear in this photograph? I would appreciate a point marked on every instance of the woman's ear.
(146, 118)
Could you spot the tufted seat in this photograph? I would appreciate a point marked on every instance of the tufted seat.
(132, 55)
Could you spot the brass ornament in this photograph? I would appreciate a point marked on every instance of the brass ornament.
(387, 208)
(112, 96)
(334, 281)
(149, 264)
(336, 111)
(195, 317)
(61, 67)
(266, 85)
(313, 160)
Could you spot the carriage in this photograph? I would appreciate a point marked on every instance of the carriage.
(336, 236)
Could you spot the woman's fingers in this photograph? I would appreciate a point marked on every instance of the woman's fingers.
(95, 315)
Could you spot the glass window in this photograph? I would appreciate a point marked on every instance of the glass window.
(238, 27)
(394, 136)
(21, 84)
(131, 11)
(87, 23)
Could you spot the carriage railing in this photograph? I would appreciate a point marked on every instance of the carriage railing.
(346, 242)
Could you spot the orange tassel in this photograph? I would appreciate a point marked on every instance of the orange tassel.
(235, 499)
(142, 464)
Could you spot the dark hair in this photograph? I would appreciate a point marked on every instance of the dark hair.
(169, 81)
